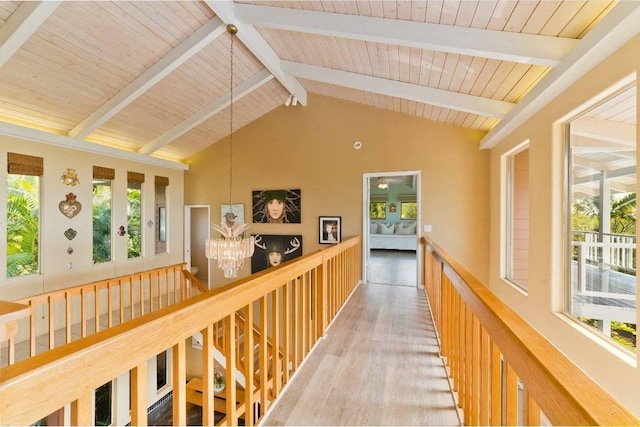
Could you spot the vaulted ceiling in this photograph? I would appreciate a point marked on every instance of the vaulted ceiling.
(151, 81)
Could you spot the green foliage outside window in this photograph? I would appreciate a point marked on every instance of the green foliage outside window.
(409, 210)
(103, 405)
(585, 218)
(101, 223)
(377, 210)
(134, 222)
(23, 224)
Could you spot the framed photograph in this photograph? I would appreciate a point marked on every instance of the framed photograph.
(232, 215)
(273, 250)
(276, 206)
(330, 229)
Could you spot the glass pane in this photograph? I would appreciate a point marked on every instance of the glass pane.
(134, 221)
(377, 210)
(161, 219)
(409, 210)
(103, 405)
(101, 221)
(602, 203)
(518, 218)
(23, 224)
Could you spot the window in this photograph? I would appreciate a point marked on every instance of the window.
(134, 214)
(161, 370)
(517, 216)
(600, 288)
(377, 210)
(161, 183)
(101, 206)
(408, 210)
(102, 413)
(23, 214)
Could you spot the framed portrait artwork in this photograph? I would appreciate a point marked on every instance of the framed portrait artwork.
(232, 215)
(273, 250)
(330, 229)
(276, 206)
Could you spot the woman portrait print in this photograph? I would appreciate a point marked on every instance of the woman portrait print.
(273, 250)
(276, 206)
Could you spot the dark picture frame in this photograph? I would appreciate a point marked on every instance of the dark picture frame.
(277, 206)
(287, 246)
(330, 229)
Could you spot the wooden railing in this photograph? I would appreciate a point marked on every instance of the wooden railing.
(502, 370)
(293, 303)
(59, 317)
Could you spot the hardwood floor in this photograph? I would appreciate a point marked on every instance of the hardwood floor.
(378, 365)
(391, 267)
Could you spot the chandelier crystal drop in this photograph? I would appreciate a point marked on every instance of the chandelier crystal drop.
(232, 247)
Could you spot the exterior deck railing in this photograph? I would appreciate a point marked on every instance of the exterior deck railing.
(293, 304)
(502, 370)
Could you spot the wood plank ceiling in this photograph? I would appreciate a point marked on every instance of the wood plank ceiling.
(150, 80)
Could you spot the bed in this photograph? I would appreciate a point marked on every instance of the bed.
(398, 236)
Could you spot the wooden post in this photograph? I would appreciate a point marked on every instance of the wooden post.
(179, 384)
(138, 389)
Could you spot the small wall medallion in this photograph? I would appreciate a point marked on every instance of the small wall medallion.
(69, 250)
(70, 233)
(69, 178)
(70, 207)
(121, 231)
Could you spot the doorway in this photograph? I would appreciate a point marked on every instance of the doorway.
(391, 228)
(196, 233)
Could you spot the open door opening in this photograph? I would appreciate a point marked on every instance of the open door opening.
(196, 233)
(391, 228)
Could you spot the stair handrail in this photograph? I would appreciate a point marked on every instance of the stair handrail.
(552, 382)
(178, 283)
(70, 373)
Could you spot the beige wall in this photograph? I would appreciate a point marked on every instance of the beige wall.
(542, 306)
(311, 148)
(55, 274)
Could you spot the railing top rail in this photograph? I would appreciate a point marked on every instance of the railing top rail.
(565, 393)
(61, 374)
(44, 296)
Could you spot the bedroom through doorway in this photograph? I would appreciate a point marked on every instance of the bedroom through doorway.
(391, 218)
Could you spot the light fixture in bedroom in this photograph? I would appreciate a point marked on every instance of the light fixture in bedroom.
(383, 184)
(232, 248)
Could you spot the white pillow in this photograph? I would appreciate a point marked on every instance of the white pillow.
(385, 228)
(373, 228)
(404, 231)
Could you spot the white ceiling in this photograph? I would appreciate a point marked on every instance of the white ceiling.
(150, 80)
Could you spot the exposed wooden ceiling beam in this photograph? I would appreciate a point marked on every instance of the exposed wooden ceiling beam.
(22, 24)
(500, 45)
(243, 89)
(253, 41)
(36, 135)
(605, 130)
(616, 28)
(426, 95)
(178, 56)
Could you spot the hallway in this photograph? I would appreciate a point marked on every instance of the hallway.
(378, 365)
(391, 267)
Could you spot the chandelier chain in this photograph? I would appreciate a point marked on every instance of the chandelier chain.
(231, 124)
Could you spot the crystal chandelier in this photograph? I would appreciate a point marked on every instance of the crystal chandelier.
(232, 247)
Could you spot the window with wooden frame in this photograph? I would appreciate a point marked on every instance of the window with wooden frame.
(23, 214)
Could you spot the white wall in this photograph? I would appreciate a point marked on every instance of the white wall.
(54, 272)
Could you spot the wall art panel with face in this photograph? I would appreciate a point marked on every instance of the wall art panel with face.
(276, 206)
(273, 250)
